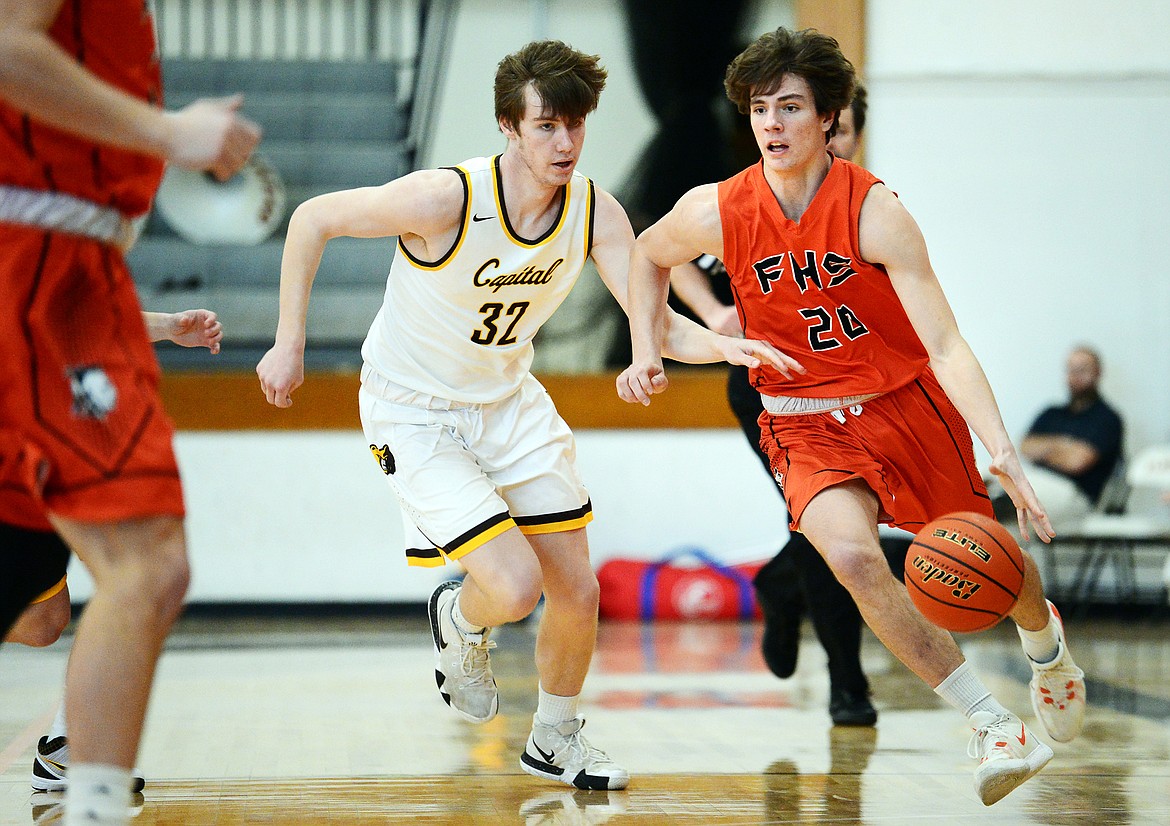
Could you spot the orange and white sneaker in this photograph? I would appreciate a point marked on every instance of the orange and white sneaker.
(1008, 754)
(1058, 690)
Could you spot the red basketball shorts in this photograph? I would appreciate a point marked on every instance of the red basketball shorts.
(910, 446)
(82, 430)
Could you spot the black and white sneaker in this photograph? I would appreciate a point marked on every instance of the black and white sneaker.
(463, 670)
(51, 763)
(561, 753)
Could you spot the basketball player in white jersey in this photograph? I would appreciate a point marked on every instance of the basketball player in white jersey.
(469, 441)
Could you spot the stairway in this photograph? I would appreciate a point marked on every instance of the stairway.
(328, 125)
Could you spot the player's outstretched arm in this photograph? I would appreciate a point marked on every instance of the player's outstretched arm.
(425, 206)
(189, 328)
(39, 78)
(889, 236)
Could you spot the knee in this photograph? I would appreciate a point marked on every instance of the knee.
(43, 623)
(859, 566)
(155, 574)
(580, 596)
(517, 595)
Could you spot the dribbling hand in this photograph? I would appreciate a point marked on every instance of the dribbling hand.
(1028, 508)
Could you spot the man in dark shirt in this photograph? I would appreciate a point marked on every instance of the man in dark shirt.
(1075, 446)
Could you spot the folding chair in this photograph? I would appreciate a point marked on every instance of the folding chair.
(1129, 514)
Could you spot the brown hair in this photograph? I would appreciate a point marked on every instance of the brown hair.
(568, 82)
(860, 106)
(816, 57)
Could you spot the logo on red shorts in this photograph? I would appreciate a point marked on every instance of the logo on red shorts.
(94, 395)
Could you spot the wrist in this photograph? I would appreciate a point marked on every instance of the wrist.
(291, 341)
(161, 134)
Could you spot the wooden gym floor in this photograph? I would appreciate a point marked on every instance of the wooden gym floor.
(324, 721)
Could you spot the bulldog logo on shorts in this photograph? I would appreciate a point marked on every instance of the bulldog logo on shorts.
(385, 458)
(94, 395)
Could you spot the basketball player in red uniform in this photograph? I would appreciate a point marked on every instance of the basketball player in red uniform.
(829, 267)
(83, 141)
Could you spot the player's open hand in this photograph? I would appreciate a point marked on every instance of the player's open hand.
(638, 382)
(1028, 508)
(753, 352)
(281, 371)
(196, 328)
(211, 134)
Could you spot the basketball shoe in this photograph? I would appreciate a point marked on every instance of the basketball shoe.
(1008, 754)
(1058, 690)
(463, 669)
(561, 753)
(782, 606)
(52, 762)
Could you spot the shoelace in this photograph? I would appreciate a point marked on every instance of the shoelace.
(992, 729)
(473, 661)
(587, 754)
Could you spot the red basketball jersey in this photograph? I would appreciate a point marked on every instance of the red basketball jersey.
(803, 287)
(115, 40)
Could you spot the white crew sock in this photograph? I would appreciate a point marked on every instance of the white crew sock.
(964, 691)
(552, 709)
(97, 795)
(1041, 646)
(465, 628)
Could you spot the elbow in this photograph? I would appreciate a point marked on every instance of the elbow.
(310, 219)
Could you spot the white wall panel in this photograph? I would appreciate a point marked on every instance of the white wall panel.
(307, 516)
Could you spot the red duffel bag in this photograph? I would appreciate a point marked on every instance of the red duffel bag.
(640, 589)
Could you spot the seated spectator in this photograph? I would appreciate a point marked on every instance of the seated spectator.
(1073, 447)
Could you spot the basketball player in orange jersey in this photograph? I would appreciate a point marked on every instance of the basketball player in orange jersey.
(829, 267)
(797, 580)
(82, 147)
(470, 442)
(41, 558)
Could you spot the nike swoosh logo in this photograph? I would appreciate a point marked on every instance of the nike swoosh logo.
(58, 766)
(484, 218)
(1022, 737)
(547, 755)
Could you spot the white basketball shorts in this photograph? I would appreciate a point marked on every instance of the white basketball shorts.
(465, 473)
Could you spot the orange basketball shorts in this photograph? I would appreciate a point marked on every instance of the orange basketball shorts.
(82, 430)
(910, 446)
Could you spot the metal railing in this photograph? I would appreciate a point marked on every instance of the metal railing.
(327, 30)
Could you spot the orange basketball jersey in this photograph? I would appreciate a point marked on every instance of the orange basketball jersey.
(803, 287)
(114, 40)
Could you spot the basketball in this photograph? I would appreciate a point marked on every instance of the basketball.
(964, 572)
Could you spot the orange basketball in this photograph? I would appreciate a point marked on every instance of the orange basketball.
(964, 572)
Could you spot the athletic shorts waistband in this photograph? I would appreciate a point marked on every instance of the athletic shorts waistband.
(61, 212)
(395, 393)
(797, 406)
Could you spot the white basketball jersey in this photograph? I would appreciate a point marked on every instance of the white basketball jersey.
(461, 327)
